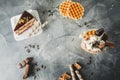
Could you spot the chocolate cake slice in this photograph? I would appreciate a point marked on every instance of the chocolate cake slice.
(25, 22)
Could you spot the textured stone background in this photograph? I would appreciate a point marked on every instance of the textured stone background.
(59, 43)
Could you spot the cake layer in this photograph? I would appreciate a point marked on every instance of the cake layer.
(25, 27)
(25, 17)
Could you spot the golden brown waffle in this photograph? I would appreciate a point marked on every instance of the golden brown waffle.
(89, 34)
(75, 11)
(63, 7)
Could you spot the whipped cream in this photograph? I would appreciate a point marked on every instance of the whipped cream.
(93, 43)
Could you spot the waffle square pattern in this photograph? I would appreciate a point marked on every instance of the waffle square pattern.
(73, 10)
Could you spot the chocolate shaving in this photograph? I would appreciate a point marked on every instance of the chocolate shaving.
(105, 37)
(110, 44)
(100, 31)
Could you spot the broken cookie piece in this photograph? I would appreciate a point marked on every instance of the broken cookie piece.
(64, 76)
(79, 75)
(24, 62)
(25, 75)
(72, 72)
(77, 66)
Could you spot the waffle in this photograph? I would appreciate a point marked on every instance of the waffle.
(89, 34)
(75, 11)
(63, 7)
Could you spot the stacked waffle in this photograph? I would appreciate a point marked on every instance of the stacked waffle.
(73, 10)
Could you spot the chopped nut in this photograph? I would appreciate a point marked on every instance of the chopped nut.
(21, 21)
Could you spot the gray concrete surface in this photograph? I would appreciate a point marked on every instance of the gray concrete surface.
(59, 43)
